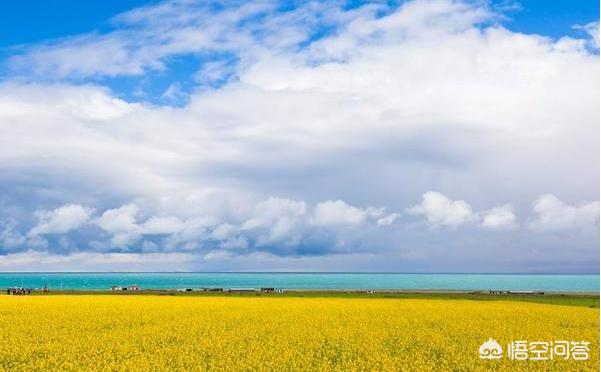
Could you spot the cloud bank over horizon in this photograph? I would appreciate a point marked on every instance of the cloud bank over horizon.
(423, 136)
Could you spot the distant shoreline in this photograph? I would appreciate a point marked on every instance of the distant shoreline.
(395, 282)
(207, 291)
(583, 299)
(332, 291)
(291, 272)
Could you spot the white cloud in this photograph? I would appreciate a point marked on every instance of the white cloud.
(592, 29)
(61, 220)
(273, 209)
(289, 115)
(144, 38)
(273, 223)
(501, 217)
(367, 114)
(280, 217)
(122, 219)
(442, 211)
(98, 106)
(389, 219)
(163, 225)
(92, 261)
(337, 212)
(121, 223)
(224, 231)
(552, 214)
(11, 239)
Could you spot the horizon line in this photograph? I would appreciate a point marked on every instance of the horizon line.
(298, 272)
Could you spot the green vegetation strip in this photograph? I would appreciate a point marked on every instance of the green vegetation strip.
(571, 299)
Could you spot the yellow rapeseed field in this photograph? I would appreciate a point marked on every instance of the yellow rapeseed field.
(104, 332)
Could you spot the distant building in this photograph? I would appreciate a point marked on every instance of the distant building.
(133, 288)
(272, 290)
(526, 292)
(214, 289)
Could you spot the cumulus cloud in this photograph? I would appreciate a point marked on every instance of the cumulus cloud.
(501, 217)
(121, 223)
(337, 212)
(305, 133)
(439, 210)
(125, 228)
(274, 209)
(278, 218)
(276, 224)
(119, 219)
(553, 214)
(61, 220)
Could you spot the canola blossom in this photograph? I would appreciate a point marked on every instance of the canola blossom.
(104, 332)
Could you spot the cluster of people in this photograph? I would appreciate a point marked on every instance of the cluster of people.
(18, 291)
(23, 291)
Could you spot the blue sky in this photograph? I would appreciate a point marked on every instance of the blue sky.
(19, 27)
(25, 22)
(366, 136)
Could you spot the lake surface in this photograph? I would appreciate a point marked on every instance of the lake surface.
(103, 281)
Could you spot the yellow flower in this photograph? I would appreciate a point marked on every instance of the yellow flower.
(104, 332)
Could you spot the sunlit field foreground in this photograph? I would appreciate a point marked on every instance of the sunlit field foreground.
(92, 332)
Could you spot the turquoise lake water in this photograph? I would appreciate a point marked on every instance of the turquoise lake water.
(103, 281)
